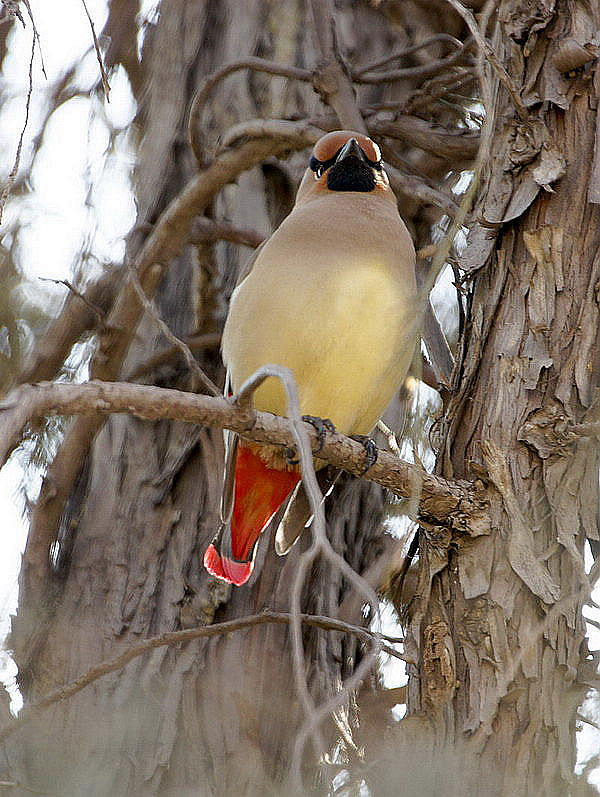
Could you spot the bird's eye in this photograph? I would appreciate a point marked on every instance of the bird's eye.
(317, 166)
(376, 165)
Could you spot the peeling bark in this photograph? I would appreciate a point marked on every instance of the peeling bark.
(511, 603)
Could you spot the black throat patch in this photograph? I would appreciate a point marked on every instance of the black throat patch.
(351, 174)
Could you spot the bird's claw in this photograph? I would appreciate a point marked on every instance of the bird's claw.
(322, 426)
(370, 450)
(291, 455)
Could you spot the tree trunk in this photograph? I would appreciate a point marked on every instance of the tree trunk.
(498, 631)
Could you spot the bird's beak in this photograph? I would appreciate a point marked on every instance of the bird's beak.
(351, 147)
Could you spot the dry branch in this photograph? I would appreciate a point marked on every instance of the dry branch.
(187, 635)
(209, 83)
(423, 70)
(439, 37)
(331, 77)
(10, 180)
(451, 503)
(430, 138)
(80, 312)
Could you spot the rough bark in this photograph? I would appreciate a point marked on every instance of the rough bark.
(497, 629)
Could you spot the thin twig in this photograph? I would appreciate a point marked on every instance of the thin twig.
(439, 37)
(210, 340)
(105, 83)
(423, 70)
(187, 635)
(36, 34)
(94, 308)
(179, 344)
(13, 173)
(485, 141)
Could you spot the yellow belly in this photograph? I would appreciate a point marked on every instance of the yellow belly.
(347, 335)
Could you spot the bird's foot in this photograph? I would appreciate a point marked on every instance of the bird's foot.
(291, 455)
(370, 450)
(322, 426)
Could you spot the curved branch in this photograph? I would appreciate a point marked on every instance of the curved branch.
(439, 37)
(209, 83)
(454, 504)
(187, 635)
(423, 70)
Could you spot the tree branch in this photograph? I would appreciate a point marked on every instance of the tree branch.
(455, 504)
(331, 78)
(423, 70)
(187, 635)
(209, 83)
(438, 37)
(79, 313)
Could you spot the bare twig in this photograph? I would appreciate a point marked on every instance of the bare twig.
(408, 185)
(210, 340)
(13, 172)
(79, 314)
(423, 70)
(105, 83)
(179, 344)
(485, 140)
(491, 56)
(439, 37)
(187, 635)
(27, 5)
(97, 311)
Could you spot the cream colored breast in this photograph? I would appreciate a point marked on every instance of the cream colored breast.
(340, 316)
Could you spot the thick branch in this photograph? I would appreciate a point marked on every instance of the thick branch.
(453, 504)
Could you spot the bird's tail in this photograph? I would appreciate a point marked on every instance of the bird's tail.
(259, 491)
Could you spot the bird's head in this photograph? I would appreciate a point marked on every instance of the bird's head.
(344, 161)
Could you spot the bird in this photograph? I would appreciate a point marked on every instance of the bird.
(332, 296)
